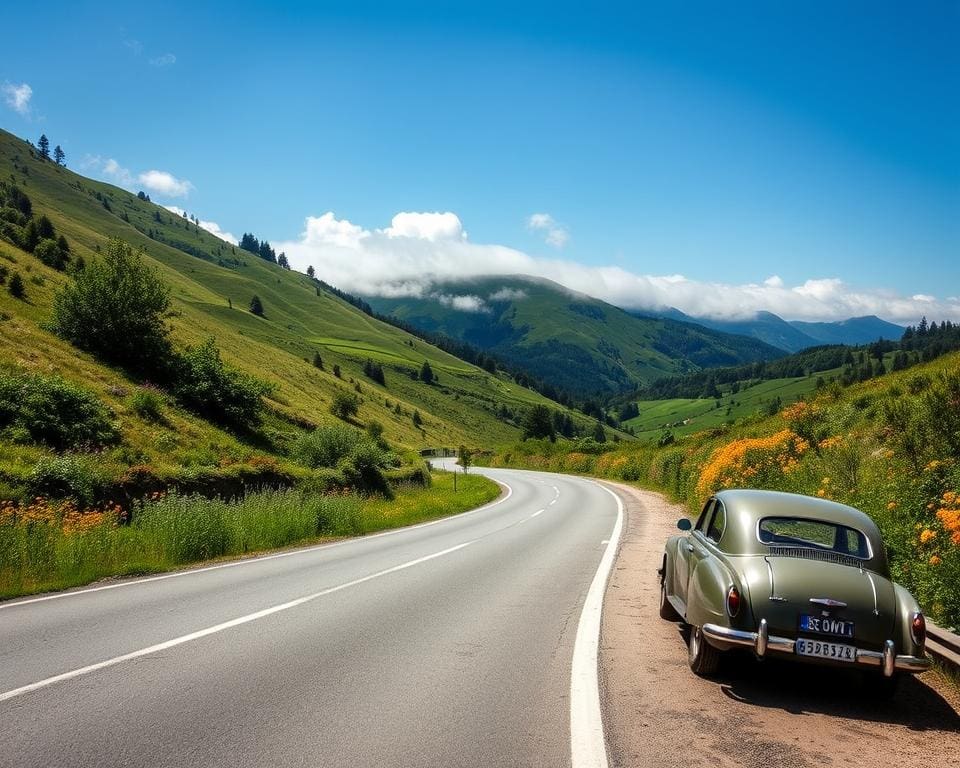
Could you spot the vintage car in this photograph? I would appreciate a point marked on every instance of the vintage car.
(792, 576)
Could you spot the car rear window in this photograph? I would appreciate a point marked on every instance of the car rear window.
(818, 534)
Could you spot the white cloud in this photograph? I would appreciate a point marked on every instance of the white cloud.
(426, 226)
(467, 303)
(165, 60)
(18, 97)
(554, 234)
(117, 173)
(382, 262)
(508, 294)
(211, 226)
(164, 183)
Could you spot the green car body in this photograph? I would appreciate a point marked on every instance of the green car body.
(792, 576)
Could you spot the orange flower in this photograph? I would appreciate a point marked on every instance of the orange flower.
(927, 536)
(935, 560)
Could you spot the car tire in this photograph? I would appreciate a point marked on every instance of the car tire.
(667, 611)
(704, 659)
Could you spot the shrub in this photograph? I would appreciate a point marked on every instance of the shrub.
(49, 410)
(345, 405)
(327, 445)
(363, 469)
(207, 386)
(68, 476)
(115, 309)
(256, 306)
(50, 253)
(147, 403)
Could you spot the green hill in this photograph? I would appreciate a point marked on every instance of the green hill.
(212, 283)
(575, 342)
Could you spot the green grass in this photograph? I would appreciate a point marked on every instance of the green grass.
(175, 531)
(686, 416)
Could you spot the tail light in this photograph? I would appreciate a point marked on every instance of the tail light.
(733, 602)
(918, 628)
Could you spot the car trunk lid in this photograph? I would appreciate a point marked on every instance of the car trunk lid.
(825, 589)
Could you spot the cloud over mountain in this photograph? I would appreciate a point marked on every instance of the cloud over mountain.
(419, 249)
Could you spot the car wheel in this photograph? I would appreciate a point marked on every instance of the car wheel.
(703, 657)
(666, 609)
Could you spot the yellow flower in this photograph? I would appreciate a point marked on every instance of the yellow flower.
(891, 505)
(935, 560)
(927, 535)
(821, 492)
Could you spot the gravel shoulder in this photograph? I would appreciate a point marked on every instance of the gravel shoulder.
(658, 713)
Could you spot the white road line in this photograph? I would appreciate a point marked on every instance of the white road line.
(221, 627)
(258, 559)
(552, 503)
(588, 746)
(538, 512)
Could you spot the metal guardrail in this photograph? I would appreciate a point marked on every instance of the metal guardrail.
(943, 645)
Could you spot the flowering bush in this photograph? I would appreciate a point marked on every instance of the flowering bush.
(752, 461)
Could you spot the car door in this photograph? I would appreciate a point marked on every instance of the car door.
(689, 547)
(709, 530)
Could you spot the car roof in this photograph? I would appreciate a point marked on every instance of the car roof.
(746, 507)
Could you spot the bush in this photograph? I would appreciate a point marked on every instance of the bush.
(116, 310)
(345, 405)
(326, 446)
(363, 469)
(147, 403)
(68, 476)
(46, 409)
(50, 253)
(208, 387)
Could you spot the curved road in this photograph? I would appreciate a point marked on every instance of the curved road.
(447, 644)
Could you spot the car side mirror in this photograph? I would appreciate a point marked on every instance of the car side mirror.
(684, 524)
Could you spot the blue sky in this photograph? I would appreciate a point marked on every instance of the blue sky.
(727, 145)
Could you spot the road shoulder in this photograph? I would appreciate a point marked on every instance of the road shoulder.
(658, 713)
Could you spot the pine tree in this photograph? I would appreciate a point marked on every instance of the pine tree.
(256, 306)
(282, 261)
(44, 146)
(317, 361)
(310, 271)
(16, 286)
(59, 156)
(426, 373)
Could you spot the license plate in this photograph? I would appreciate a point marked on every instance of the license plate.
(824, 625)
(824, 650)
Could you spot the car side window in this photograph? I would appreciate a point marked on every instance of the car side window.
(705, 516)
(717, 523)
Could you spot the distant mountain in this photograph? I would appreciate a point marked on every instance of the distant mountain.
(856, 330)
(569, 339)
(794, 335)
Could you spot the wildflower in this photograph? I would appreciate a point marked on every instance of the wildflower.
(891, 505)
(935, 560)
(927, 536)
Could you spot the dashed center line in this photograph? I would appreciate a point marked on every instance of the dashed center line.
(538, 512)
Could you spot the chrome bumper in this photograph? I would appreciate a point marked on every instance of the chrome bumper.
(762, 641)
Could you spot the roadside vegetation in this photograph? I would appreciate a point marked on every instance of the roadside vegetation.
(46, 545)
(889, 446)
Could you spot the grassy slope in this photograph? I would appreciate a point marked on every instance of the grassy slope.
(699, 413)
(625, 350)
(298, 322)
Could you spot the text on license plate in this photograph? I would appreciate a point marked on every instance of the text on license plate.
(824, 625)
(824, 650)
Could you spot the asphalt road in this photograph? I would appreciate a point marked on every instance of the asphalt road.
(448, 644)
